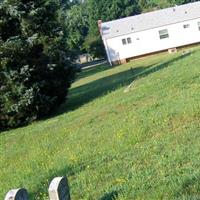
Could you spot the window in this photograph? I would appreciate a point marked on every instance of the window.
(129, 40)
(199, 25)
(163, 34)
(124, 41)
(186, 26)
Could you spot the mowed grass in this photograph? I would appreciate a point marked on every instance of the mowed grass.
(111, 144)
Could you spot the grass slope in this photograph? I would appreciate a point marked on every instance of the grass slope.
(143, 144)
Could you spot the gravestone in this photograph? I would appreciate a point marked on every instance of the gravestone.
(59, 189)
(17, 194)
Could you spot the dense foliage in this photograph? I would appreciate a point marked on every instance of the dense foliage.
(35, 71)
(77, 28)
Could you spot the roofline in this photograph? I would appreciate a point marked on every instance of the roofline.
(106, 38)
(151, 12)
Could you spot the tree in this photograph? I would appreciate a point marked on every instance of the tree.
(149, 5)
(67, 4)
(35, 68)
(77, 28)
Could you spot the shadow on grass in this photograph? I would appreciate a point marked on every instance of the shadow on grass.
(83, 94)
(42, 187)
(93, 70)
(190, 189)
(110, 196)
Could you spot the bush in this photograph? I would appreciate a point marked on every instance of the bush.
(35, 71)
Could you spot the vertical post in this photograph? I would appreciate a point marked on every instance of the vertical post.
(59, 189)
(17, 194)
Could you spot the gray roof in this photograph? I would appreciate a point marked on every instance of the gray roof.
(150, 20)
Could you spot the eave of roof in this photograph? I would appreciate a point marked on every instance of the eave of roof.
(150, 20)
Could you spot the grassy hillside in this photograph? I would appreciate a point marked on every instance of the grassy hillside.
(113, 142)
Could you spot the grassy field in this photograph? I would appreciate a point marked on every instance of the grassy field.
(140, 144)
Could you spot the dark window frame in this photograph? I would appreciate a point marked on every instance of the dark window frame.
(163, 34)
(198, 23)
(129, 41)
(185, 26)
(124, 41)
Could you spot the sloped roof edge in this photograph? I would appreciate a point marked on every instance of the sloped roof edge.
(150, 20)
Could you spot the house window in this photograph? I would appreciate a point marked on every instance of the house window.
(163, 34)
(129, 40)
(124, 41)
(199, 25)
(186, 26)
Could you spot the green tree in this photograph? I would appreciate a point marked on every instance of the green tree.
(77, 28)
(35, 68)
(149, 5)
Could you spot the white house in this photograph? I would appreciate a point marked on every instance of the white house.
(151, 32)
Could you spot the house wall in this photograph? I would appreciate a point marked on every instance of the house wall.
(149, 41)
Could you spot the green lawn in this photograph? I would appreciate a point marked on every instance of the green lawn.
(111, 144)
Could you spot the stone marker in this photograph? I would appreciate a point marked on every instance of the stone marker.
(17, 194)
(59, 189)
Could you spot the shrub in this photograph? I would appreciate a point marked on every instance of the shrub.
(35, 68)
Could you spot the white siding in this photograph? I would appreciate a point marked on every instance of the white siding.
(148, 41)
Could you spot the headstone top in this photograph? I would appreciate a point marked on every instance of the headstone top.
(17, 194)
(59, 189)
